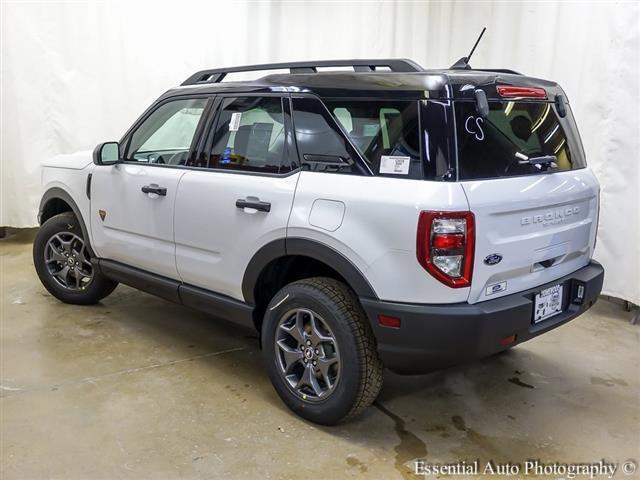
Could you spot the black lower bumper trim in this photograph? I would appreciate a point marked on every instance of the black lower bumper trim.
(437, 336)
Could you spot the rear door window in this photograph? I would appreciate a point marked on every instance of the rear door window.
(249, 135)
(321, 144)
(513, 133)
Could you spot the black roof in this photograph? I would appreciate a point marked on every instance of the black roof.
(406, 79)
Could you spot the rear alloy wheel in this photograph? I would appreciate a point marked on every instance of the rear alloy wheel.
(63, 262)
(320, 350)
(307, 354)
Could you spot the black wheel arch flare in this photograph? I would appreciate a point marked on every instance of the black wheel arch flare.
(57, 193)
(306, 248)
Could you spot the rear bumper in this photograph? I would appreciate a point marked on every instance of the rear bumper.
(436, 336)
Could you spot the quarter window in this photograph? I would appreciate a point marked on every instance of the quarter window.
(165, 136)
(385, 132)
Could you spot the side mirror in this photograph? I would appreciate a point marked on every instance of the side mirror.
(107, 153)
(560, 107)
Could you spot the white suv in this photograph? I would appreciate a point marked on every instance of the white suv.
(386, 216)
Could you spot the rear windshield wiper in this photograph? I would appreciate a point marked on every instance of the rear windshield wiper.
(550, 160)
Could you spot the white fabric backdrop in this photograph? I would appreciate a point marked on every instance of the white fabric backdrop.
(75, 73)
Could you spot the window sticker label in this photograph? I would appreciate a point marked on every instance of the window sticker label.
(370, 129)
(395, 165)
(234, 123)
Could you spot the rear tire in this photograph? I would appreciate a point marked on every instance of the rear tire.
(320, 351)
(63, 262)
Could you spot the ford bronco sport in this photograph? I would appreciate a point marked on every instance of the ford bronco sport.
(381, 216)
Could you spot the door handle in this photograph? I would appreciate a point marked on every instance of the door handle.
(153, 188)
(255, 204)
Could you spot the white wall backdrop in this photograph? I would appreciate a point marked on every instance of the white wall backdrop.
(75, 73)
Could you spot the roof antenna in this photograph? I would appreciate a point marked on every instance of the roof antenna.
(463, 63)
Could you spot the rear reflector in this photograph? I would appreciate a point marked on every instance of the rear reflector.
(508, 340)
(388, 321)
(530, 92)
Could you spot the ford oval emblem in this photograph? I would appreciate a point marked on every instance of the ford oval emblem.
(492, 259)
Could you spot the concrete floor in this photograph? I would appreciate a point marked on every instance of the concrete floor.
(140, 388)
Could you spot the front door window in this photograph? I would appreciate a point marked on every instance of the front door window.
(165, 136)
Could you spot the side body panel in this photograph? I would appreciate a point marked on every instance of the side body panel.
(372, 221)
(215, 240)
(137, 228)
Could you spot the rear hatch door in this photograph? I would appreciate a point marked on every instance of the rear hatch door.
(535, 222)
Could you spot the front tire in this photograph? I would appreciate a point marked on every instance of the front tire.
(63, 262)
(320, 351)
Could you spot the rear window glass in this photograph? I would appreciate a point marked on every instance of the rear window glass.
(513, 134)
(385, 132)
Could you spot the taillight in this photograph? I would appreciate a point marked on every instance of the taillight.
(531, 92)
(445, 246)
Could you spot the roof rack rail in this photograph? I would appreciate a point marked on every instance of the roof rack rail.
(366, 65)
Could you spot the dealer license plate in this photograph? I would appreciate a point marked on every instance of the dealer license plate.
(548, 303)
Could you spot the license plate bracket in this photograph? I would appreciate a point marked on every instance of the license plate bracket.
(547, 303)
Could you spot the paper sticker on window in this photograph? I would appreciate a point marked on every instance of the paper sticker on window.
(234, 123)
(370, 129)
(395, 165)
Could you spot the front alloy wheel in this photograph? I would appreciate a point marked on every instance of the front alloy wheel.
(63, 262)
(67, 261)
